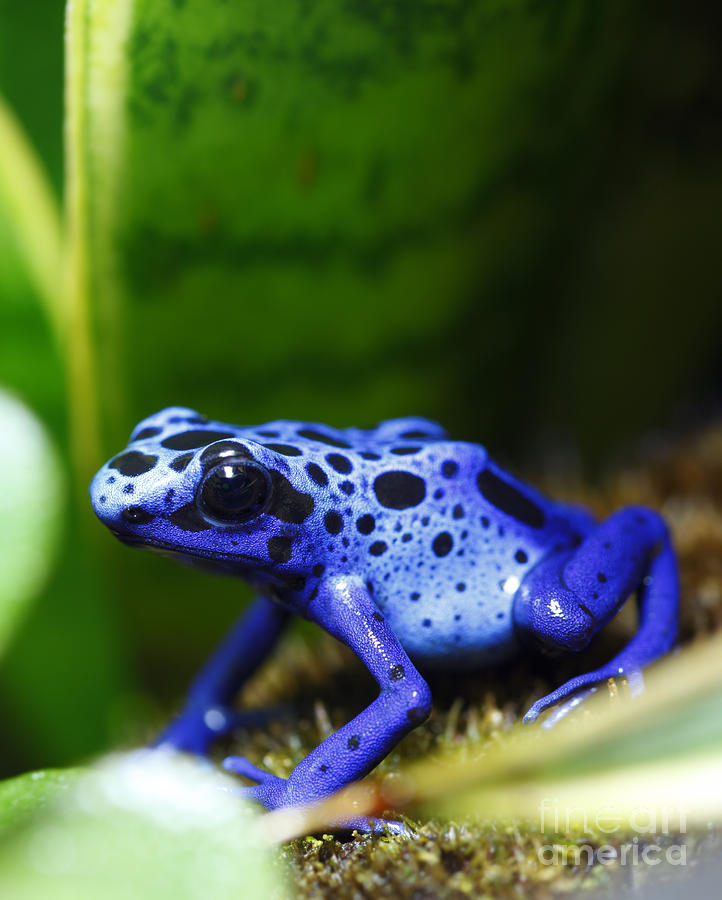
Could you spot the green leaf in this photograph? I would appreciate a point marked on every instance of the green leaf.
(347, 211)
(143, 825)
(26, 795)
(94, 99)
(31, 216)
(290, 209)
(31, 503)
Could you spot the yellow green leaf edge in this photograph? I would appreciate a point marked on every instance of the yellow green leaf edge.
(33, 213)
(96, 33)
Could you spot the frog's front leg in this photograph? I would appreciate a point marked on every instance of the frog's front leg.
(567, 598)
(207, 713)
(344, 608)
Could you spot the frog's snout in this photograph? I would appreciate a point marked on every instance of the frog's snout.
(101, 498)
(117, 508)
(98, 496)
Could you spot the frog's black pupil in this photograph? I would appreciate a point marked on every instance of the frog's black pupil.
(234, 492)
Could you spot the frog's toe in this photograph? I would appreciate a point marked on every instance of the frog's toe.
(270, 791)
(572, 702)
(371, 825)
(242, 766)
(567, 706)
(534, 711)
(572, 694)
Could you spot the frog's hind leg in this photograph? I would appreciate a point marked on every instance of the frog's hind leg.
(344, 608)
(565, 600)
(207, 713)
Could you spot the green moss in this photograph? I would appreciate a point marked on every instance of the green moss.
(450, 860)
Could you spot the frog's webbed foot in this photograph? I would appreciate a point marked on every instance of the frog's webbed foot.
(565, 600)
(272, 792)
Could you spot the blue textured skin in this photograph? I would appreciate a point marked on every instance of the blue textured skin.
(400, 543)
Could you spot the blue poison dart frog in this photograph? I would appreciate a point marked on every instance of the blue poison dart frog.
(412, 549)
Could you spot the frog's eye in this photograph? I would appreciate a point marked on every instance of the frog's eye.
(234, 491)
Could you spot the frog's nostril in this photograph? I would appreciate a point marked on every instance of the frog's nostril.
(136, 515)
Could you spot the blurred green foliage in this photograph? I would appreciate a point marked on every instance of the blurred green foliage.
(139, 825)
(28, 531)
(499, 213)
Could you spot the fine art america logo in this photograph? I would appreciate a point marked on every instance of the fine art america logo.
(646, 822)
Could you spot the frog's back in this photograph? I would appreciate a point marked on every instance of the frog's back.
(439, 532)
(450, 537)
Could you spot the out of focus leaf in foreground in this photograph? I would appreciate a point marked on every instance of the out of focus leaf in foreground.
(31, 500)
(24, 796)
(141, 825)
